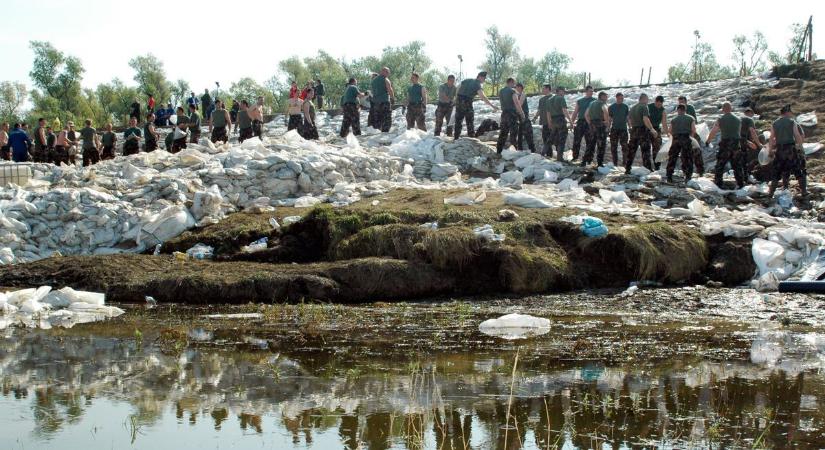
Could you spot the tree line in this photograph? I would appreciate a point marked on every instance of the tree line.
(57, 90)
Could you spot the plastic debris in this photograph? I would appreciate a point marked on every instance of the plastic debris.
(807, 120)
(525, 201)
(44, 308)
(201, 251)
(505, 215)
(486, 232)
(467, 198)
(593, 227)
(515, 326)
(613, 196)
(256, 246)
(289, 220)
(273, 222)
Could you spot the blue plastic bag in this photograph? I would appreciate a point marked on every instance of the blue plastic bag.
(593, 227)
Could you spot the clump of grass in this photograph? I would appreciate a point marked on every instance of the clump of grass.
(383, 218)
(172, 341)
(524, 269)
(455, 216)
(451, 248)
(393, 241)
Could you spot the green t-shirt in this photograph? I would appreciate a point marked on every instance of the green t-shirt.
(594, 111)
(147, 132)
(447, 91)
(524, 107)
(730, 126)
(691, 111)
(379, 90)
(108, 139)
(681, 124)
(556, 105)
(170, 138)
(505, 96)
(543, 109)
(637, 114)
(747, 124)
(36, 135)
(618, 112)
(50, 138)
(469, 88)
(350, 95)
(88, 135)
(784, 130)
(656, 115)
(415, 94)
(583, 103)
(219, 118)
(244, 121)
(182, 120)
(195, 122)
(133, 131)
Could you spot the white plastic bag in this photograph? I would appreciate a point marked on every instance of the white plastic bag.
(767, 255)
(515, 326)
(765, 156)
(467, 198)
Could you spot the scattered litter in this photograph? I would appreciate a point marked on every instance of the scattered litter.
(593, 227)
(256, 246)
(515, 326)
(289, 220)
(273, 222)
(201, 251)
(430, 225)
(467, 198)
(150, 302)
(506, 215)
(486, 232)
(807, 120)
(630, 291)
(525, 200)
(765, 156)
(235, 316)
(613, 196)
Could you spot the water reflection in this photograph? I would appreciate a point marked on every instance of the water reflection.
(62, 389)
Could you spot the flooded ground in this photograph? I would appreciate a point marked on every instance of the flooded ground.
(675, 368)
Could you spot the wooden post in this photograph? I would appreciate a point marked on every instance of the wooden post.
(649, 70)
(810, 39)
(642, 77)
(589, 79)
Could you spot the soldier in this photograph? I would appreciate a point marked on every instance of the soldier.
(91, 144)
(149, 134)
(618, 127)
(558, 117)
(525, 128)
(416, 104)
(50, 140)
(511, 114)
(641, 134)
(371, 115)
(179, 143)
(132, 135)
(293, 111)
(40, 153)
(467, 91)
(220, 123)
(256, 114)
(785, 136)
(194, 124)
(658, 117)
(579, 121)
(749, 142)
(698, 159)
(446, 101)
(729, 147)
(320, 92)
(597, 119)
(109, 140)
(682, 128)
(309, 129)
(352, 114)
(244, 122)
(541, 114)
(382, 93)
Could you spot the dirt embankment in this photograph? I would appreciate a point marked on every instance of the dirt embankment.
(367, 253)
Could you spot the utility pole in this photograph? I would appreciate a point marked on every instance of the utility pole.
(642, 77)
(810, 38)
(650, 69)
(460, 73)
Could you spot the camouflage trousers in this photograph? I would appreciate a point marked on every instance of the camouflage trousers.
(617, 138)
(178, 145)
(108, 152)
(5, 153)
(131, 147)
(61, 155)
(789, 161)
(509, 128)
(150, 145)
(219, 134)
(558, 137)
(244, 134)
(194, 136)
(257, 128)
(729, 152)
(683, 147)
(525, 133)
(442, 112)
(352, 119)
(90, 156)
(596, 136)
(40, 153)
(546, 145)
(415, 116)
(294, 122)
(698, 158)
(639, 137)
(383, 116)
(308, 131)
(656, 145)
(581, 131)
(464, 111)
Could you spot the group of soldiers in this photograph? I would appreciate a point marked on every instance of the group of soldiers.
(640, 127)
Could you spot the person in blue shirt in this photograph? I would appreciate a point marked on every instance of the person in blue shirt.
(169, 112)
(160, 117)
(192, 100)
(19, 142)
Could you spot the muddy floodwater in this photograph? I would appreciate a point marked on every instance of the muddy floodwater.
(665, 368)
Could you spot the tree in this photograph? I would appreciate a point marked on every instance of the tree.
(703, 65)
(749, 53)
(115, 99)
(791, 54)
(179, 92)
(501, 57)
(58, 77)
(248, 89)
(151, 77)
(552, 66)
(295, 70)
(527, 73)
(12, 97)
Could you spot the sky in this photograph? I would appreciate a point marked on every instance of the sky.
(206, 41)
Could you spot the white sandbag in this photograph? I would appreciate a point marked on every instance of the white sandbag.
(161, 227)
(617, 197)
(515, 326)
(767, 255)
(487, 233)
(703, 131)
(306, 202)
(512, 179)
(525, 200)
(662, 156)
(467, 198)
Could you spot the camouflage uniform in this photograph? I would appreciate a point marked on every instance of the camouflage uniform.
(131, 147)
(383, 116)
(150, 145)
(194, 137)
(639, 136)
(597, 135)
(442, 112)
(415, 117)
(558, 136)
(617, 138)
(244, 134)
(487, 125)
(729, 152)
(108, 152)
(656, 145)
(547, 145)
(40, 153)
(257, 128)
(698, 158)
(789, 160)
(178, 145)
(509, 127)
(294, 122)
(464, 111)
(308, 131)
(371, 115)
(525, 133)
(681, 146)
(352, 118)
(219, 134)
(581, 131)
(90, 156)
(61, 155)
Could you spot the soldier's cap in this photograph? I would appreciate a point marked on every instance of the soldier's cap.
(482, 74)
(785, 109)
(748, 109)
